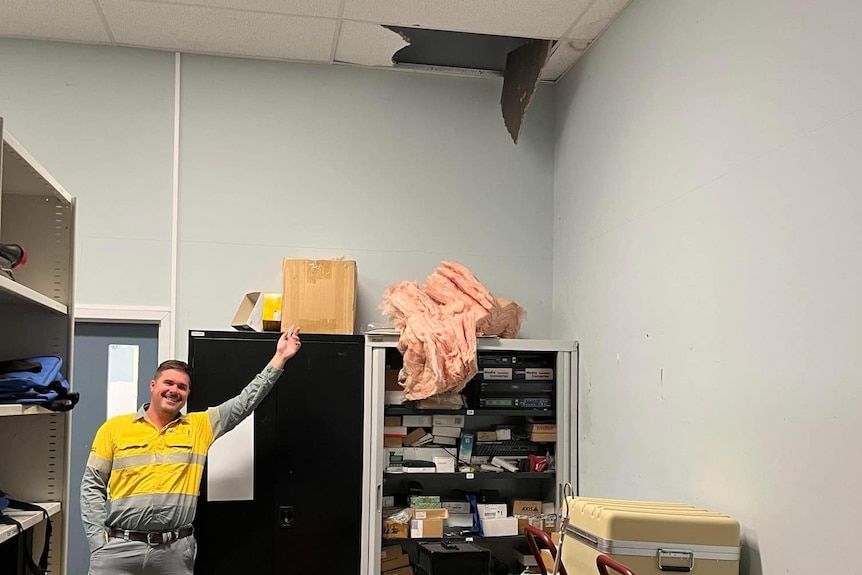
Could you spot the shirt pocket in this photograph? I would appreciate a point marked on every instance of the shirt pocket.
(130, 454)
(181, 442)
(130, 447)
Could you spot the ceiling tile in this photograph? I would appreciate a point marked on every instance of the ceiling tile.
(73, 20)
(563, 58)
(218, 31)
(596, 19)
(367, 44)
(523, 18)
(322, 8)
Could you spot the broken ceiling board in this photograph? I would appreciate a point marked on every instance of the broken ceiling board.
(319, 8)
(73, 20)
(456, 49)
(219, 31)
(368, 44)
(523, 69)
(596, 19)
(518, 18)
(564, 56)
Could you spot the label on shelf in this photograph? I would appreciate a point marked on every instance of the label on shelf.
(471, 476)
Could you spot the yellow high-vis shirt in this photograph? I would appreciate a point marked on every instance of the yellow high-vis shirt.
(152, 476)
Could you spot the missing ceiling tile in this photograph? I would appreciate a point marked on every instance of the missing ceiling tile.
(519, 60)
(455, 50)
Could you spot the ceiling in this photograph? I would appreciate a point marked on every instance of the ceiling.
(324, 31)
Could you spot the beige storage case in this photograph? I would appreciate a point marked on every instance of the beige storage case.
(650, 538)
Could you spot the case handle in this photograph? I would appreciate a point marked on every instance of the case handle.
(675, 554)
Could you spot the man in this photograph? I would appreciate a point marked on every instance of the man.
(151, 465)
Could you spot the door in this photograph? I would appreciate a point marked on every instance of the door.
(125, 352)
(319, 454)
(304, 513)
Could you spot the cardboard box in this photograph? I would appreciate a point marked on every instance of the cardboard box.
(414, 436)
(523, 521)
(391, 381)
(543, 437)
(499, 526)
(457, 506)
(395, 432)
(394, 563)
(542, 428)
(258, 311)
(441, 513)
(443, 431)
(486, 436)
(392, 421)
(319, 295)
(426, 528)
(459, 520)
(448, 420)
(393, 442)
(390, 552)
(417, 420)
(401, 571)
(525, 558)
(491, 510)
(394, 530)
(526, 507)
(425, 501)
(444, 464)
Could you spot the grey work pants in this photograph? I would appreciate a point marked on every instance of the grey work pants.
(121, 557)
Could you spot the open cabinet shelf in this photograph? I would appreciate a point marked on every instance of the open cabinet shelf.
(10, 409)
(387, 489)
(13, 293)
(27, 519)
(36, 320)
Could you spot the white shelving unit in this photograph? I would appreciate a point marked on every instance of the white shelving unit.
(380, 346)
(27, 519)
(36, 319)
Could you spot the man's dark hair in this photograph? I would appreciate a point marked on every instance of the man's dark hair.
(173, 364)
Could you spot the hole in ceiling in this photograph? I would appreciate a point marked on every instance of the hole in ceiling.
(455, 49)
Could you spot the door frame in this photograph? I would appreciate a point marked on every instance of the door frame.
(161, 316)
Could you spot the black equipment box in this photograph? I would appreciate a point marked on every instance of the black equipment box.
(443, 558)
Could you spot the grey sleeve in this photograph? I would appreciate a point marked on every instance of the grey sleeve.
(230, 413)
(94, 496)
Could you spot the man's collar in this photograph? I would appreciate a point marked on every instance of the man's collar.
(142, 414)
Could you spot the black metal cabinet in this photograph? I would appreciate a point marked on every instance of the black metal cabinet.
(306, 512)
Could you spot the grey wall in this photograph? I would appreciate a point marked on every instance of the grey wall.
(395, 170)
(101, 121)
(706, 244)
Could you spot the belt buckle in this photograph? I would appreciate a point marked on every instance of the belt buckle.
(151, 541)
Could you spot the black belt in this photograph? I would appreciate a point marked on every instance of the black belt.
(152, 538)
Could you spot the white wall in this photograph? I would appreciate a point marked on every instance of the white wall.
(706, 244)
(101, 121)
(396, 171)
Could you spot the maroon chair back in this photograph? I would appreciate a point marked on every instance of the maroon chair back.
(534, 536)
(603, 562)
